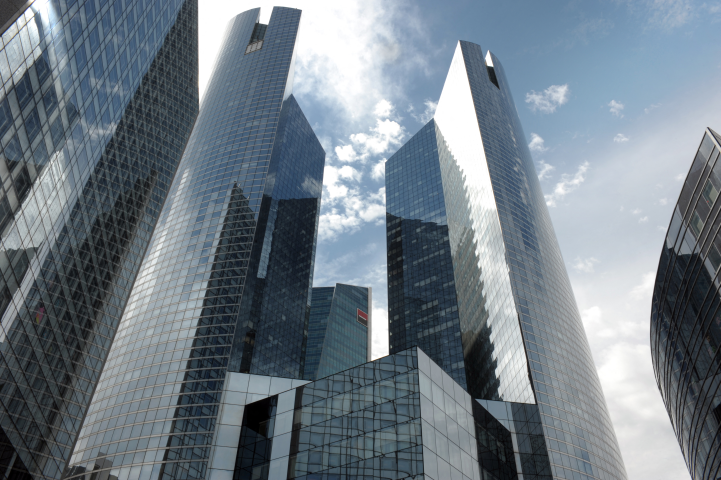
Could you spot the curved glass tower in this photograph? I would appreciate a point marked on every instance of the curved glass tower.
(226, 282)
(686, 315)
(477, 281)
(97, 103)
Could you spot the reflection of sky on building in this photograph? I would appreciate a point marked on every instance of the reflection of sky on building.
(232, 256)
(500, 258)
(685, 315)
(89, 147)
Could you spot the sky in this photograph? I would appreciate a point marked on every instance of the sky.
(613, 96)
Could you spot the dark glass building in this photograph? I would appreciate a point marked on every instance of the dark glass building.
(686, 315)
(338, 330)
(477, 281)
(226, 282)
(97, 101)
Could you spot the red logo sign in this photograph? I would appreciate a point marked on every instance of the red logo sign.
(362, 317)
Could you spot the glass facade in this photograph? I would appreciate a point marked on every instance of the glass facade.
(401, 416)
(686, 318)
(97, 101)
(232, 256)
(475, 274)
(338, 330)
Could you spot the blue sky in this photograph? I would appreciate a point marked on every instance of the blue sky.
(613, 97)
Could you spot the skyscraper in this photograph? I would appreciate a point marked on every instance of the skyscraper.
(685, 315)
(96, 106)
(226, 283)
(477, 281)
(339, 330)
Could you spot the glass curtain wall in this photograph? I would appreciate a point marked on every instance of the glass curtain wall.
(476, 277)
(232, 256)
(686, 314)
(97, 100)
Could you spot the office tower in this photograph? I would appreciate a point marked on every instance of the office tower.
(338, 330)
(685, 315)
(226, 283)
(477, 281)
(96, 106)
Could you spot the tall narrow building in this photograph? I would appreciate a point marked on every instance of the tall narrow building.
(96, 106)
(686, 314)
(226, 283)
(339, 330)
(477, 281)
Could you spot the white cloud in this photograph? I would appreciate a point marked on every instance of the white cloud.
(567, 184)
(379, 346)
(346, 153)
(643, 219)
(383, 109)
(546, 170)
(651, 107)
(350, 211)
(663, 201)
(385, 135)
(427, 114)
(667, 14)
(616, 108)
(636, 211)
(644, 290)
(537, 144)
(593, 323)
(584, 264)
(379, 139)
(548, 100)
(680, 177)
(379, 170)
(620, 138)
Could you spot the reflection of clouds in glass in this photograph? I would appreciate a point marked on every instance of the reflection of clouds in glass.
(312, 186)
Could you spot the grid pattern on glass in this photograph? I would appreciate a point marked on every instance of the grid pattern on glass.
(235, 205)
(89, 148)
(336, 340)
(272, 328)
(569, 394)
(496, 454)
(453, 246)
(523, 420)
(450, 448)
(486, 306)
(361, 422)
(686, 315)
(506, 267)
(422, 302)
(320, 305)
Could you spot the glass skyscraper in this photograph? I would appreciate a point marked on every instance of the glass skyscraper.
(686, 315)
(477, 281)
(226, 283)
(97, 101)
(338, 330)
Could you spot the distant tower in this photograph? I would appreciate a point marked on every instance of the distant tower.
(477, 281)
(686, 315)
(89, 145)
(226, 283)
(338, 339)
